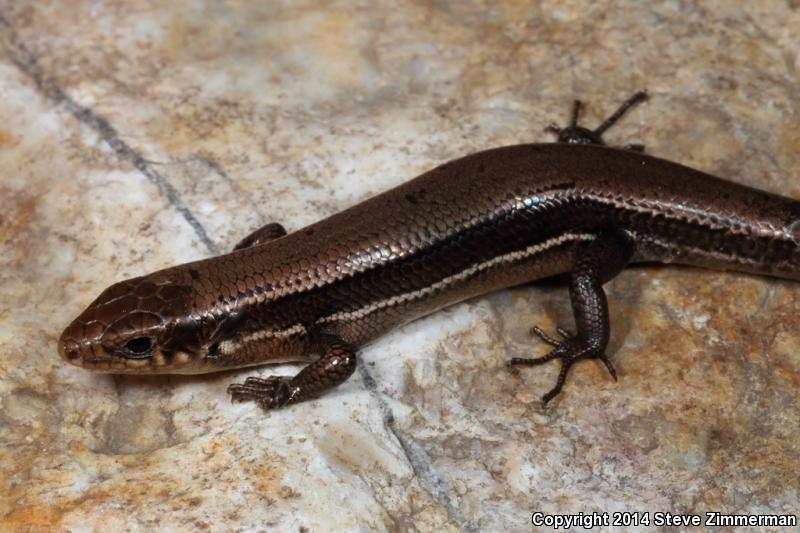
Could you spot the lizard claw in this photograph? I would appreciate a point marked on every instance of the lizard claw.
(536, 330)
(611, 370)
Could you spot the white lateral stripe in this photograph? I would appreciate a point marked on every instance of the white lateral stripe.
(712, 254)
(230, 346)
(464, 274)
(272, 334)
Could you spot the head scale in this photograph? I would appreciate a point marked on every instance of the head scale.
(141, 325)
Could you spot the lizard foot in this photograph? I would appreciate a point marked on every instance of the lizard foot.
(570, 349)
(269, 393)
(575, 134)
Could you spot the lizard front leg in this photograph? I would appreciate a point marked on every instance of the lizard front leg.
(334, 367)
(267, 233)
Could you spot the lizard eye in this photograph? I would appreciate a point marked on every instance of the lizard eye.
(138, 348)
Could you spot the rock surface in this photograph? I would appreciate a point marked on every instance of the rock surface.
(137, 135)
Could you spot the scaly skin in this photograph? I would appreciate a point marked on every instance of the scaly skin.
(489, 220)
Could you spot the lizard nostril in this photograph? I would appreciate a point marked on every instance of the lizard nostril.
(68, 349)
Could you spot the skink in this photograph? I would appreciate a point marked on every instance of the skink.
(489, 220)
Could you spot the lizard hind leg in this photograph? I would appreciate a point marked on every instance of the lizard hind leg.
(575, 134)
(599, 261)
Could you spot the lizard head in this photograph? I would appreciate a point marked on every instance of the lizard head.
(141, 325)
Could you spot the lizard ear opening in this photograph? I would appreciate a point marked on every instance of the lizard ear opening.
(213, 351)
